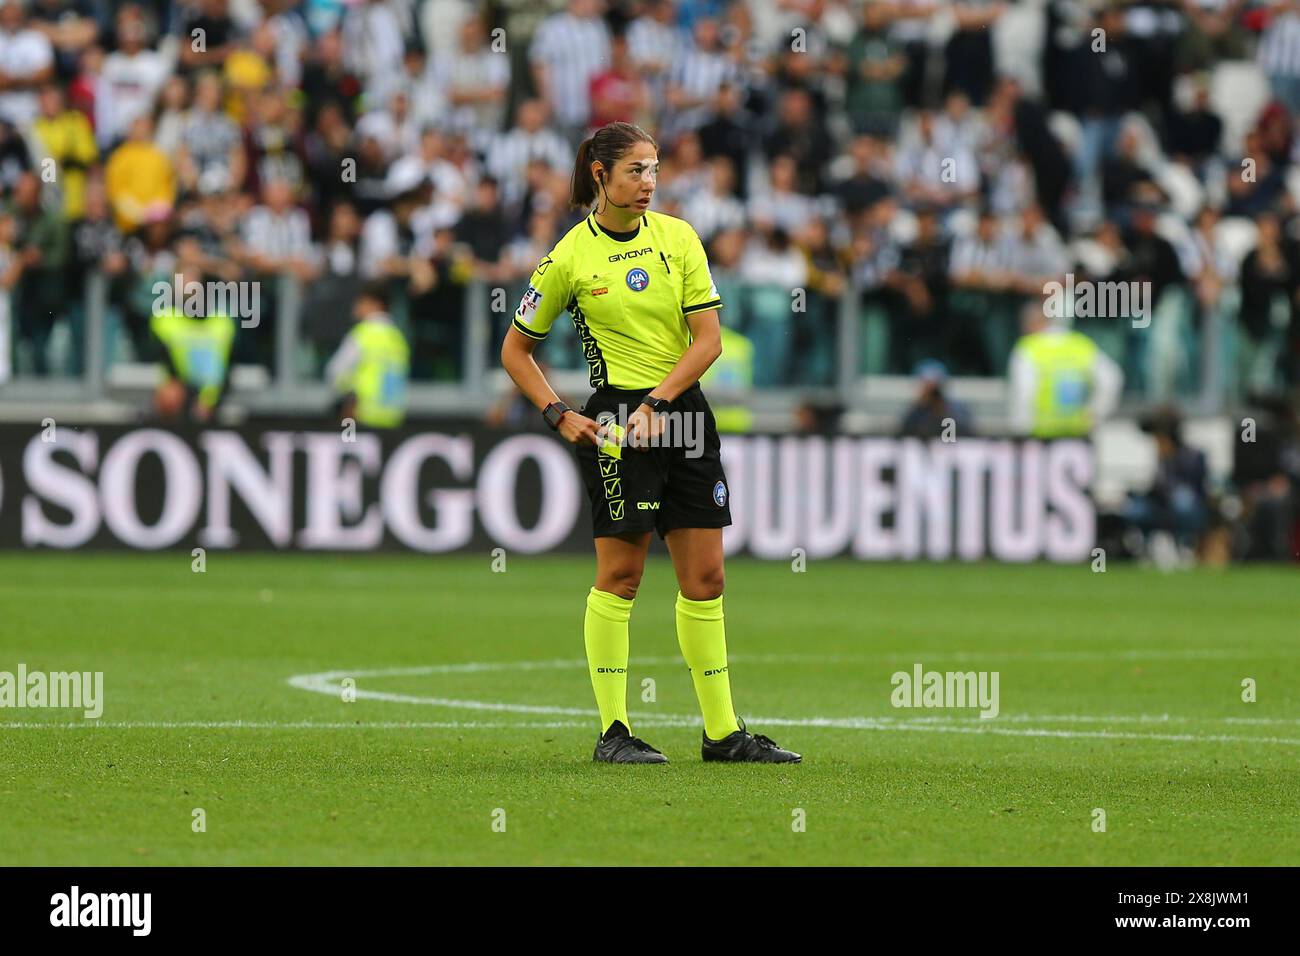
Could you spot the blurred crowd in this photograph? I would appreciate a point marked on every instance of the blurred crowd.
(889, 151)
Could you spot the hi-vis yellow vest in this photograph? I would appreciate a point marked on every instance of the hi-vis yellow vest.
(733, 372)
(1063, 374)
(380, 376)
(199, 349)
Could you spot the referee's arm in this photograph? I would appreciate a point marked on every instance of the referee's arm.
(548, 288)
(517, 359)
(705, 347)
(700, 304)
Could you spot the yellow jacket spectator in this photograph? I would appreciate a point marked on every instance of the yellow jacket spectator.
(139, 178)
(246, 74)
(65, 136)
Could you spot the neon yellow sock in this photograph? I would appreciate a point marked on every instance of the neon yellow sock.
(605, 633)
(703, 641)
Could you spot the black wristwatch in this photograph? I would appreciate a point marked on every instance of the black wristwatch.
(553, 413)
(656, 404)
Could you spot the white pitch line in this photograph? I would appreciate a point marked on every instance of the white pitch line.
(1106, 719)
(1094, 734)
(326, 683)
(991, 656)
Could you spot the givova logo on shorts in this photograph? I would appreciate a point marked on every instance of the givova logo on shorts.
(609, 474)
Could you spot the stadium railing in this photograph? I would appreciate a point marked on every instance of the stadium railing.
(835, 351)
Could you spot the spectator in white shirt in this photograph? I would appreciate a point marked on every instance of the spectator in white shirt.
(391, 246)
(1035, 254)
(451, 186)
(172, 108)
(936, 172)
(393, 127)
(529, 139)
(782, 206)
(473, 79)
(653, 39)
(698, 72)
(716, 208)
(277, 234)
(521, 255)
(26, 61)
(440, 25)
(685, 174)
(980, 261)
(374, 41)
(132, 78)
(211, 151)
(291, 39)
(567, 50)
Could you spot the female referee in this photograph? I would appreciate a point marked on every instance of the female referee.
(637, 285)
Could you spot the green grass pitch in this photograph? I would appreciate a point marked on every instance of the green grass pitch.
(1119, 691)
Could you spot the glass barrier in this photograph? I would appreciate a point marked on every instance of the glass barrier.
(1189, 350)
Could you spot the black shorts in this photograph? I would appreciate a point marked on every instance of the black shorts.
(678, 484)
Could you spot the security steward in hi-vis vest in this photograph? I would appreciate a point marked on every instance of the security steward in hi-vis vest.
(733, 373)
(196, 353)
(1063, 365)
(1061, 381)
(372, 366)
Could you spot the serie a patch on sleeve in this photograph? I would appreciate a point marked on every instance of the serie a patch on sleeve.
(528, 305)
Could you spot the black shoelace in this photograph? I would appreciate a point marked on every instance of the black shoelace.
(767, 743)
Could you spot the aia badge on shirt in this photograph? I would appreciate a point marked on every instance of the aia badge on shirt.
(637, 279)
(528, 305)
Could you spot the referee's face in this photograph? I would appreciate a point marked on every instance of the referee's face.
(633, 179)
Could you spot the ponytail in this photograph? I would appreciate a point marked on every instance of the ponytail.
(607, 146)
(582, 190)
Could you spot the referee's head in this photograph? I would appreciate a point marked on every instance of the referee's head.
(619, 165)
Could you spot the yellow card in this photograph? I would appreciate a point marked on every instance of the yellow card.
(613, 443)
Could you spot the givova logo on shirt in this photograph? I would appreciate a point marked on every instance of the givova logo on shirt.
(632, 254)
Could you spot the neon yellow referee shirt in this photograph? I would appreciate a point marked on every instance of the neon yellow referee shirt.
(629, 296)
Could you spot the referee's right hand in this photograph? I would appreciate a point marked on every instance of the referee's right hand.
(577, 428)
